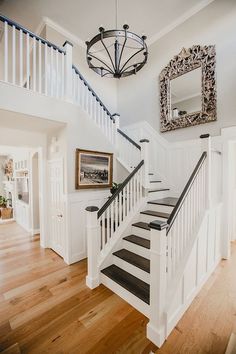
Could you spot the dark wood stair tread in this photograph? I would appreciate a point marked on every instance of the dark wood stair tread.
(158, 190)
(137, 240)
(134, 259)
(151, 174)
(157, 214)
(169, 201)
(142, 225)
(155, 181)
(129, 282)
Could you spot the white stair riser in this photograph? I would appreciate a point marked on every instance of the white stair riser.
(158, 195)
(140, 232)
(163, 208)
(156, 185)
(126, 295)
(135, 271)
(132, 247)
(148, 218)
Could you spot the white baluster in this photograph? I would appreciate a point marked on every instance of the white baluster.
(46, 69)
(21, 57)
(40, 66)
(51, 71)
(62, 75)
(6, 51)
(27, 62)
(57, 74)
(34, 64)
(13, 55)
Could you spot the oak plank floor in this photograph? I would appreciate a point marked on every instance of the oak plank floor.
(45, 307)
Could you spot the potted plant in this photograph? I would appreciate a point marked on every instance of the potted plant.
(6, 213)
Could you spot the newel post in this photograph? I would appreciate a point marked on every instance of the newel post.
(93, 275)
(116, 120)
(206, 146)
(68, 71)
(156, 328)
(145, 156)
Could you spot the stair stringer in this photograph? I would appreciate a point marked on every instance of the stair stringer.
(192, 274)
(106, 256)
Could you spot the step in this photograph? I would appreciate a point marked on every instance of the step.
(141, 229)
(158, 190)
(134, 259)
(155, 181)
(134, 285)
(137, 240)
(168, 201)
(150, 215)
(164, 205)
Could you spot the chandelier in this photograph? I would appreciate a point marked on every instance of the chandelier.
(116, 53)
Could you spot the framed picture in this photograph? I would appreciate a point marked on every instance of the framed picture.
(93, 169)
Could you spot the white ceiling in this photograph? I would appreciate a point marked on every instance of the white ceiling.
(83, 17)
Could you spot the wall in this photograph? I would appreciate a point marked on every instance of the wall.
(105, 88)
(2, 175)
(138, 96)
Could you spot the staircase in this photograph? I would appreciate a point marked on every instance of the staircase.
(130, 267)
(149, 247)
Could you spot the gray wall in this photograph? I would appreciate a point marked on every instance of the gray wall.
(138, 96)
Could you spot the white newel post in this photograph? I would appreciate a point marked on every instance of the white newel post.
(93, 234)
(206, 146)
(116, 118)
(68, 71)
(145, 156)
(156, 328)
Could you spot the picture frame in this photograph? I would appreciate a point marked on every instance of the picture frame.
(94, 169)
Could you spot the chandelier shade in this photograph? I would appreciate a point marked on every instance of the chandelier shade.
(116, 53)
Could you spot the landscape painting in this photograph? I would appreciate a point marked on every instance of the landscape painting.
(93, 169)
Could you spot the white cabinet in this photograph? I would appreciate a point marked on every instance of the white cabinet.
(22, 214)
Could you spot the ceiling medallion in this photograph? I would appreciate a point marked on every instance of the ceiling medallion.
(116, 53)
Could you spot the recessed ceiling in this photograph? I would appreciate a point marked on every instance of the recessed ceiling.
(83, 17)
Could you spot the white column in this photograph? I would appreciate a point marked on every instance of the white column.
(145, 156)
(93, 234)
(156, 328)
(206, 147)
(68, 71)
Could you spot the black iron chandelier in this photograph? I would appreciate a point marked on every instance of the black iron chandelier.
(117, 53)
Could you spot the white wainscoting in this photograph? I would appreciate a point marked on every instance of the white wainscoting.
(204, 257)
(158, 147)
(77, 202)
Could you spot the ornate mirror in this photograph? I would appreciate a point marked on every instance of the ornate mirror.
(188, 89)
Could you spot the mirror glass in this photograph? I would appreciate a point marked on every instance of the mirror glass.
(186, 93)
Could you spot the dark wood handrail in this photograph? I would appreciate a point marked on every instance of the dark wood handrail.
(31, 34)
(184, 194)
(129, 139)
(92, 91)
(121, 187)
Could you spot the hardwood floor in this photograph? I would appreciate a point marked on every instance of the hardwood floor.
(45, 307)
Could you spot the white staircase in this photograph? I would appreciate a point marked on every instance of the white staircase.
(153, 250)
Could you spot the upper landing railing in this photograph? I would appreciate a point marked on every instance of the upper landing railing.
(36, 64)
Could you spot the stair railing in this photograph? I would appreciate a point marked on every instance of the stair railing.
(30, 61)
(106, 225)
(171, 242)
(36, 64)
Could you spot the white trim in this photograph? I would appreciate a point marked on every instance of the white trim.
(186, 15)
(54, 25)
(76, 40)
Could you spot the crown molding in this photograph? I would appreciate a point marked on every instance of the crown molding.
(186, 15)
(46, 21)
(76, 40)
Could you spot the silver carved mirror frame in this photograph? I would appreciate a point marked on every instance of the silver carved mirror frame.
(186, 61)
